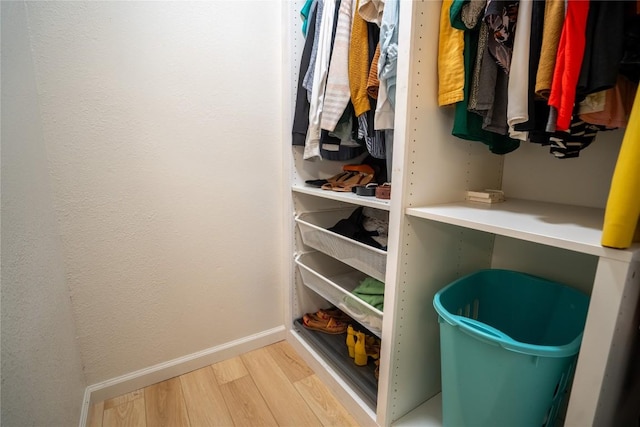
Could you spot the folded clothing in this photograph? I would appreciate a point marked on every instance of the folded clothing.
(371, 291)
(353, 228)
(372, 322)
(377, 223)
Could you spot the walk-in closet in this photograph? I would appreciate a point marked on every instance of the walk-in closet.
(550, 226)
(160, 217)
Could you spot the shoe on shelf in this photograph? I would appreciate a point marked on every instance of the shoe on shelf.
(330, 326)
(360, 352)
(355, 181)
(336, 178)
(326, 313)
(351, 341)
(362, 346)
(372, 347)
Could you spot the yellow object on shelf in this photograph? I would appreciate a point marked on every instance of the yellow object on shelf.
(623, 205)
(360, 350)
(351, 342)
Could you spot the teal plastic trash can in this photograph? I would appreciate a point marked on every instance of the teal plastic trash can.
(509, 343)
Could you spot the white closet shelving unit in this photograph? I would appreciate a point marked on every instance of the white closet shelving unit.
(550, 226)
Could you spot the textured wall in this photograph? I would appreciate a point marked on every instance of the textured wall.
(42, 379)
(162, 121)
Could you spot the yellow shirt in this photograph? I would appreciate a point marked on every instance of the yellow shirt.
(450, 59)
(359, 64)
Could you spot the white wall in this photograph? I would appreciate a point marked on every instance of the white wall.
(531, 172)
(42, 379)
(162, 122)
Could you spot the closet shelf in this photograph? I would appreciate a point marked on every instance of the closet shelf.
(371, 202)
(575, 228)
(334, 350)
(429, 414)
(334, 281)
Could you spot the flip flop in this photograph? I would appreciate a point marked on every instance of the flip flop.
(332, 326)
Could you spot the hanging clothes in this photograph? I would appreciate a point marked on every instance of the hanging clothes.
(580, 135)
(338, 93)
(501, 16)
(594, 102)
(472, 15)
(388, 64)
(568, 64)
(554, 12)
(451, 76)
(384, 115)
(617, 105)
(489, 84)
(468, 125)
(373, 82)
(518, 90)
(604, 44)
(307, 82)
(623, 205)
(359, 64)
(312, 142)
(476, 86)
(371, 11)
(374, 139)
(538, 109)
(305, 13)
(630, 63)
(301, 113)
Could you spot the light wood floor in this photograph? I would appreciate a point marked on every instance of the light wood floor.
(270, 386)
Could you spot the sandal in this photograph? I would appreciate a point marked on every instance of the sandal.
(357, 180)
(327, 313)
(336, 178)
(331, 326)
(372, 346)
(362, 168)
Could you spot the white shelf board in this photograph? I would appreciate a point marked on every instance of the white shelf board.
(353, 198)
(575, 228)
(429, 414)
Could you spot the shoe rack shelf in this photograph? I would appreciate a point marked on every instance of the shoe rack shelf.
(333, 348)
(352, 198)
(549, 226)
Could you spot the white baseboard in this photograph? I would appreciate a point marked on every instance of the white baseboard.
(172, 368)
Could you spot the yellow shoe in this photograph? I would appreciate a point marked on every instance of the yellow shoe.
(351, 342)
(360, 350)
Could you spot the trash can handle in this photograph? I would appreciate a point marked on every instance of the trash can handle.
(483, 329)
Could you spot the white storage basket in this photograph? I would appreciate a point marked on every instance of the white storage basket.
(334, 281)
(313, 228)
